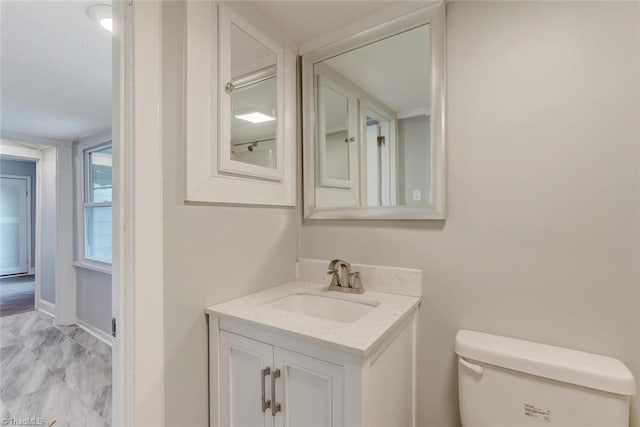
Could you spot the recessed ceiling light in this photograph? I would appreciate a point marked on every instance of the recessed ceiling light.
(255, 117)
(102, 15)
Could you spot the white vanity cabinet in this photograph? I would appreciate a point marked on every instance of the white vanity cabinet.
(261, 375)
(308, 391)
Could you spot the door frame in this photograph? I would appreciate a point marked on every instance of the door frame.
(29, 219)
(21, 147)
(138, 350)
(137, 274)
(31, 154)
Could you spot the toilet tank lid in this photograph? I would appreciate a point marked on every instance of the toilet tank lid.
(561, 364)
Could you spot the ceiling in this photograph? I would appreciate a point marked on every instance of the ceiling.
(55, 70)
(303, 21)
(56, 62)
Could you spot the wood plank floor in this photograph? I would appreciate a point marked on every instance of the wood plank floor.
(17, 295)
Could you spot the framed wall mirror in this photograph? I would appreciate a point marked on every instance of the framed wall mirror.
(374, 128)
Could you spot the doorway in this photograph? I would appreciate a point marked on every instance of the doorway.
(57, 103)
(17, 236)
(15, 224)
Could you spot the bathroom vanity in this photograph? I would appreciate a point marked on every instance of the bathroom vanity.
(299, 354)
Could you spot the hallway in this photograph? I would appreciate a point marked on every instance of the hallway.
(58, 373)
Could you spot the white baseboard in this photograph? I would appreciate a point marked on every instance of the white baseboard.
(47, 308)
(50, 309)
(100, 334)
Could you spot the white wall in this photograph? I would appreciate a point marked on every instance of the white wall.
(211, 253)
(542, 236)
(48, 217)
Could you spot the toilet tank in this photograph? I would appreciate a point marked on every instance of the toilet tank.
(507, 382)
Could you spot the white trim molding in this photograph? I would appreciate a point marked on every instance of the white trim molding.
(46, 307)
(29, 141)
(94, 266)
(16, 150)
(122, 304)
(138, 303)
(88, 143)
(98, 333)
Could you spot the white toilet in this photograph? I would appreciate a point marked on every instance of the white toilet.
(506, 382)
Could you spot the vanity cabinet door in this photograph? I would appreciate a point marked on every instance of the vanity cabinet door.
(242, 364)
(310, 391)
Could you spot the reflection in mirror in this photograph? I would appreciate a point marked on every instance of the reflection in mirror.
(378, 180)
(253, 100)
(390, 80)
(336, 133)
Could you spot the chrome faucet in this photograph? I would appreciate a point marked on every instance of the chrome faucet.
(342, 279)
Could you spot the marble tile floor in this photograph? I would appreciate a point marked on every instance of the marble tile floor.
(53, 372)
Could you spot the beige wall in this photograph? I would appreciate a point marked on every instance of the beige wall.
(414, 158)
(542, 237)
(211, 253)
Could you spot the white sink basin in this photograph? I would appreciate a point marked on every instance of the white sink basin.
(324, 307)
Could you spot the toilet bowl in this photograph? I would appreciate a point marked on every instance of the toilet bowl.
(507, 382)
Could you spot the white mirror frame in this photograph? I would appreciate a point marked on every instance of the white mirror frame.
(207, 179)
(225, 162)
(434, 15)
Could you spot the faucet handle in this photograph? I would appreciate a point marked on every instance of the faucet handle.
(354, 280)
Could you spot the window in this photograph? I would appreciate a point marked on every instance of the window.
(97, 203)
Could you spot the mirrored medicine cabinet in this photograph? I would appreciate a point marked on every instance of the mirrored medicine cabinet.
(374, 122)
(240, 101)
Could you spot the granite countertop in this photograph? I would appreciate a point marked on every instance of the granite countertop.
(357, 337)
